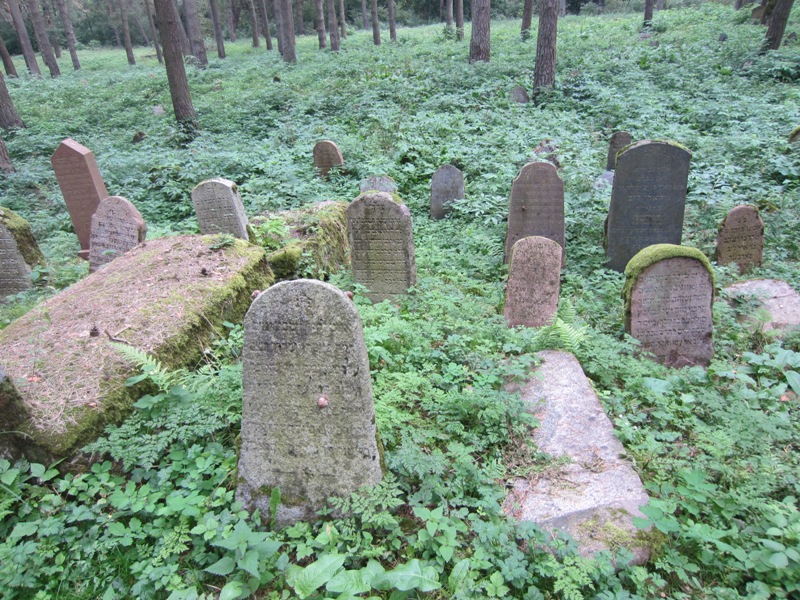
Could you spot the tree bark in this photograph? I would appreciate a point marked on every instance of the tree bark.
(392, 24)
(5, 160)
(448, 14)
(333, 31)
(364, 17)
(777, 24)
(212, 5)
(233, 20)
(40, 31)
(126, 31)
(766, 14)
(544, 74)
(9, 117)
(287, 28)
(648, 13)
(300, 26)
(8, 63)
(321, 34)
(169, 23)
(24, 38)
(376, 26)
(277, 13)
(153, 30)
(479, 45)
(342, 19)
(254, 23)
(459, 19)
(265, 26)
(527, 17)
(194, 32)
(186, 47)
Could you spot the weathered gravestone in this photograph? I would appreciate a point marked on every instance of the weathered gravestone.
(647, 200)
(520, 95)
(777, 304)
(381, 245)
(380, 183)
(116, 228)
(534, 280)
(668, 293)
(537, 206)
(12, 411)
(447, 184)
(326, 156)
(219, 208)
(619, 139)
(308, 420)
(19, 253)
(81, 185)
(741, 238)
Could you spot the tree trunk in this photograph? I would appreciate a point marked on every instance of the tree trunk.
(66, 19)
(112, 21)
(233, 20)
(287, 30)
(459, 19)
(186, 47)
(126, 31)
(276, 12)
(212, 5)
(5, 160)
(648, 13)
(562, 8)
(24, 39)
(265, 27)
(196, 41)
(544, 74)
(777, 24)
(40, 31)
(342, 19)
(321, 34)
(527, 17)
(376, 26)
(766, 14)
(153, 31)
(392, 24)
(448, 14)
(9, 117)
(254, 23)
(333, 30)
(52, 36)
(8, 63)
(479, 44)
(140, 27)
(300, 26)
(364, 17)
(169, 23)
(661, 4)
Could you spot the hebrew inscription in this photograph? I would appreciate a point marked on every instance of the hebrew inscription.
(741, 238)
(447, 184)
(219, 208)
(534, 281)
(116, 228)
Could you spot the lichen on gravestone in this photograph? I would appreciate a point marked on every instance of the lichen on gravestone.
(534, 280)
(219, 208)
(19, 254)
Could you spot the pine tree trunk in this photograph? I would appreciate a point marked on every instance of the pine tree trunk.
(194, 32)
(169, 24)
(24, 39)
(648, 13)
(254, 23)
(300, 26)
(527, 17)
(153, 31)
(186, 47)
(321, 33)
(233, 20)
(392, 24)
(9, 117)
(479, 45)
(333, 30)
(266, 30)
(376, 26)
(52, 36)
(142, 30)
(5, 160)
(287, 30)
(40, 31)
(364, 16)
(777, 24)
(112, 21)
(212, 5)
(126, 31)
(544, 74)
(342, 19)
(8, 63)
(448, 14)
(276, 12)
(459, 19)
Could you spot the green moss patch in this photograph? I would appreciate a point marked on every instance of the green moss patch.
(21, 230)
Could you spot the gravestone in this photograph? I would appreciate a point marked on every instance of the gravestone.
(669, 292)
(116, 228)
(12, 412)
(534, 280)
(380, 183)
(381, 245)
(308, 420)
(619, 139)
(81, 185)
(520, 95)
(647, 199)
(537, 206)
(326, 156)
(19, 253)
(741, 238)
(777, 304)
(219, 208)
(447, 184)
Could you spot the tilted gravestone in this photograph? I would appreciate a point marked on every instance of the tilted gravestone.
(219, 208)
(537, 206)
(741, 238)
(520, 95)
(534, 280)
(116, 228)
(380, 183)
(669, 292)
(308, 420)
(19, 253)
(447, 184)
(81, 185)
(326, 156)
(619, 139)
(381, 245)
(647, 199)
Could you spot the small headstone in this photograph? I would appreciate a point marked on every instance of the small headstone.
(536, 206)
(326, 156)
(219, 208)
(669, 291)
(619, 139)
(604, 181)
(379, 183)
(647, 200)
(723, 37)
(792, 37)
(520, 94)
(381, 245)
(116, 228)
(81, 185)
(534, 280)
(776, 298)
(158, 110)
(308, 419)
(547, 150)
(19, 253)
(741, 238)
(757, 13)
(447, 184)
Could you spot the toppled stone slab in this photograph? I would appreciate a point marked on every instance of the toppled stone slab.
(594, 495)
(779, 301)
(166, 297)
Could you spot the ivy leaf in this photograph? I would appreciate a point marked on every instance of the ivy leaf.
(306, 581)
(222, 567)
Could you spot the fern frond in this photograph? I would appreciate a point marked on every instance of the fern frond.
(150, 365)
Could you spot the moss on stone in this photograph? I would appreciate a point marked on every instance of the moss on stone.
(285, 263)
(21, 230)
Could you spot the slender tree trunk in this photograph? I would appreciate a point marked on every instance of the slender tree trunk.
(8, 63)
(562, 8)
(544, 74)
(254, 23)
(342, 19)
(479, 45)
(376, 26)
(156, 44)
(212, 5)
(648, 13)
(766, 14)
(321, 34)
(448, 14)
(126, 31)
(63, 10)
(168, 23)
(9, 117)
(52, 36)
(40, 31)
(527, 17)
(300, 26)
(142, 30)
(459, 19)
(112, 22)
(265, 26)
(196, 41)
(392, 24)
(777, 24)
(277, 14)
(186, 47)
(364, 16)
(24, 38)
(333, 31)
(5, 160)
(287, 30)
(233, 20)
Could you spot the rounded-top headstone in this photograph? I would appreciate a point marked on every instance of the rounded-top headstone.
(308, 420)
(741, 238)
(117, 226)
(19, 253)
(534, 281)
(619, 139)
(326, 156)
(378, 183)
(520, 95)
(219, 208)
(447, 184)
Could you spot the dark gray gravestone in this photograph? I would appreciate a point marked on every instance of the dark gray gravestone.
(116, 228)
(669, 291)
(381, 245)
(619, 139)
(219, 208)
(447, 184)
(534, 280)
(19, 253)
(308, 420)
(537, 206)
(741, 238)
(379, 183)
(326, 156)
(647, 199)
(520, 95)
(81, 185)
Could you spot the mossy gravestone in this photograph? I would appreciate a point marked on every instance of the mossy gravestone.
(537, 206)
(647, 200)
(668, 294)
(19, 253)
(447, 184)
(219, 208)
(327, 156)
(381, 245)
(308, 420)
(116, 228)
(534, 280)
(741, 238)
(619, 139)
